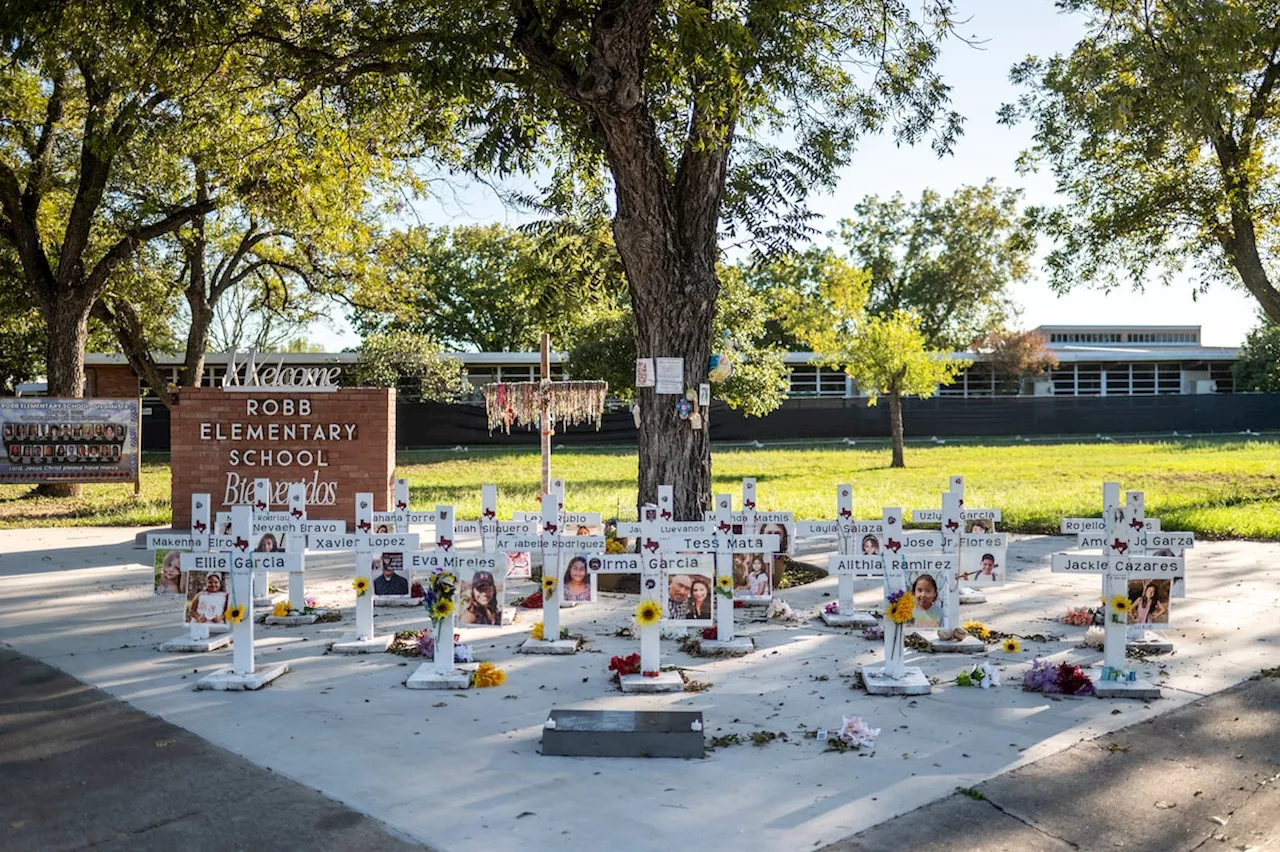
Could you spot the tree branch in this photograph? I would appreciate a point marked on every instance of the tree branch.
(128, 244)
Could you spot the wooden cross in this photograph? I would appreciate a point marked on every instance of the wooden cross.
(543, 403)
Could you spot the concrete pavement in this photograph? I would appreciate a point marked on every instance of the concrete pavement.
(79, 770)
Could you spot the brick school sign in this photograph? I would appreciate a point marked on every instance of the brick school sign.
(336, 442)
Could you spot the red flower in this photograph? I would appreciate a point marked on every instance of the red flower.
(534, 601)
(739, 604)
(651, 674)
(710, 633)
(625, 665)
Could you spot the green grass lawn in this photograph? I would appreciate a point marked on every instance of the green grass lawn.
(1216, 488)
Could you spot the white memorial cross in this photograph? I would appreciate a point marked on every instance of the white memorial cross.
(851, 561)
(1166, 544)
(966, 595)
(364, 543)
(748, 520)
(938, 555)
(1123, 533)
(196, 540)
(649, 564)
(233, 554)
(553, 542)
(893, 676)
(444, 558)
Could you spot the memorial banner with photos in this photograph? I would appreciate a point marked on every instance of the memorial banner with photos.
(69, 440)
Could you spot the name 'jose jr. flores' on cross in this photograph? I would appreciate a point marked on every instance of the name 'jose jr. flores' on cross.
(319, 434)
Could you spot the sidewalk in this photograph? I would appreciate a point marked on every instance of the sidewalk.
(80, 769)
(1206, 776)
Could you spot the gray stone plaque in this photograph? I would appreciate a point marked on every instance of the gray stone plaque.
(623, 733)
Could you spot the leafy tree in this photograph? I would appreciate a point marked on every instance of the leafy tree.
(1159, 128)
(947, 260)
(604, 348)
(413, 364)
(1259, 366)
(21, 329)
(91, 91)
(489, 288)
(1015, 356)
(675, 107)
(888, 357)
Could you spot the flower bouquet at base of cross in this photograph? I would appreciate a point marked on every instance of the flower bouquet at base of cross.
(1080, 616)
(832, 608)
(983, 675)
(1064, 679)
(627, 665)
(487, 674)
(710, 634)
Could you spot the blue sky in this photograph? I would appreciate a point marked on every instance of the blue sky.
(1010, 30)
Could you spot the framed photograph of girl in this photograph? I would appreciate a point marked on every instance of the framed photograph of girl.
(929, 591)
(170, 581)
(1149, 603)
(207, 597)
(480, 598)
(578, 585)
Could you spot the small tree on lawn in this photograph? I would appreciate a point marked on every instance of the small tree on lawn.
(887, 357)
(1259, 366)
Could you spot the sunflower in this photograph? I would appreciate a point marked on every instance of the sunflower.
(281, 609)
(548, 584)
(535, 632)
(443, 608)
(1120, 604)
(977, 629)
(1012, 645)
(488, 675)
(234, 614)
(361, 585)
(648, 613)
(902, 607)
(724, 584)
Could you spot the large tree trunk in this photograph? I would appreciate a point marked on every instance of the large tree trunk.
(197, 343)
(68, 327)
(895, 426)
(1243, 254)
(674, 307)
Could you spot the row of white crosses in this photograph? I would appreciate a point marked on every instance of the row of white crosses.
(1124, 532)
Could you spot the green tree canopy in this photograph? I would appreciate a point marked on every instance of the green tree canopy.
(411, 363)
(489, 288)
(1259, 366)
(947, 260)
(1160, 130)
(699, 117)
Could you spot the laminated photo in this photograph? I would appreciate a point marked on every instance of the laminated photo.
(578, 583)
(929, 590)
(480, 600)
(208, 596)
(1149, 602)
(690, 601)
(390, 576)
(170, 581)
